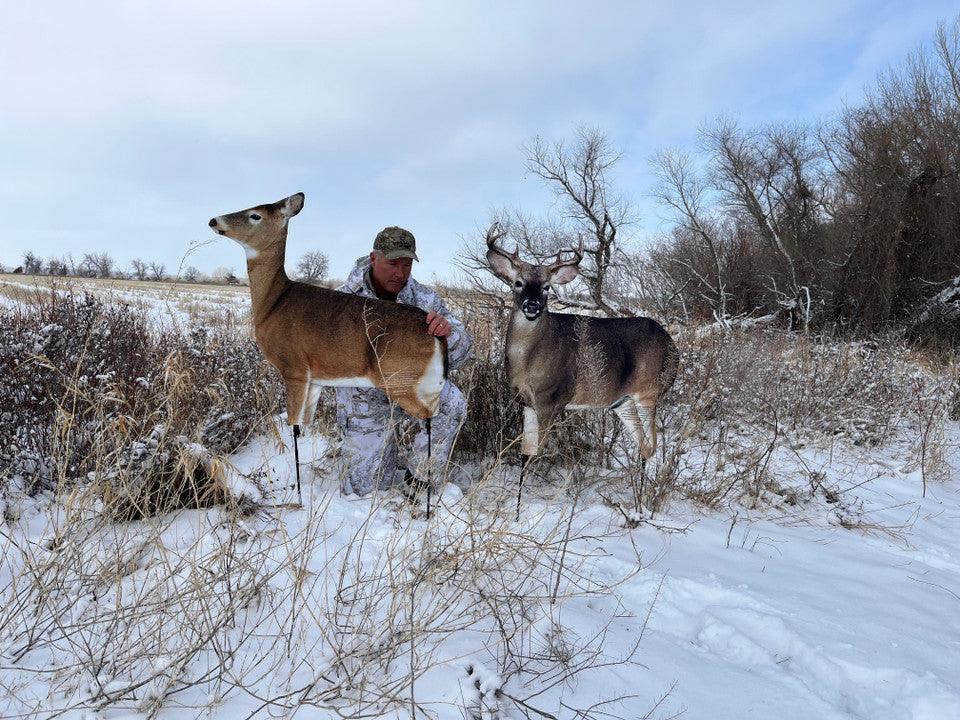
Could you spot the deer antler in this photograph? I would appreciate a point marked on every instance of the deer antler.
(558, 263)
(496, 233)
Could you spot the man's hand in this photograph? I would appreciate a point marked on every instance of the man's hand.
(437, 325)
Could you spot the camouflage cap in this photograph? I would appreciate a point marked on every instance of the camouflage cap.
(395, 242)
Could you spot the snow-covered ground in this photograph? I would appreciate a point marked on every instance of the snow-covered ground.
(836, 596)
(846, 606)
(164, 303)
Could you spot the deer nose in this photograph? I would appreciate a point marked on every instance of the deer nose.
(531, 308)
(213, 223)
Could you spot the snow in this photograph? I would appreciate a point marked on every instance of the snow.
(166, 304)
(837, 603)
(838, 610)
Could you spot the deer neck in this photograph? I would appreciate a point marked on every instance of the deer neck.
(522, 329)
(268, 279)
(523, 334)
(529, 353)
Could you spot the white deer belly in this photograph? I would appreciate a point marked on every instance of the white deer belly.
(359, 381)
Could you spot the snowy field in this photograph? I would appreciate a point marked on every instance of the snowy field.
(841, 600)
(166, 303)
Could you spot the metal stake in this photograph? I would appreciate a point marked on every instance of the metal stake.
(643, 480)
(296, 458)
(524, 459)
(429, 466)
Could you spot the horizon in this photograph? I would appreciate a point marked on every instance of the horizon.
(132, 129)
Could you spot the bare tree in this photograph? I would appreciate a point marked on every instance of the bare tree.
(56, 266)
(221, 273)
(682, 190)
(313, 266)
(140, 269)
(191, 273)
(895, 213)
(579, 175)
(763, 179)
(32, 264)
(749, 233)
(87, 266)
(95, 265)
(158, 271)
(104, 264)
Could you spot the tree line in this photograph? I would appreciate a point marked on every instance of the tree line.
(846, 225)
(849, 224)
(313, 267)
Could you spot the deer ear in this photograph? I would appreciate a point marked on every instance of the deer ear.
(501, 267)
(564, 274)
(292, 205)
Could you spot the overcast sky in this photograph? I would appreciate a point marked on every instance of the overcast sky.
(125, 126)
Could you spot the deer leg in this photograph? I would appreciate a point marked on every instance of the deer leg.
(648, 418)
(297, 391)
(310, 403)
(647, 411)
(529, 444)
(629, 413)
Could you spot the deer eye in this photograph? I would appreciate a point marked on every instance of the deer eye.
(546, 287)
(518, 284)
(255, 217)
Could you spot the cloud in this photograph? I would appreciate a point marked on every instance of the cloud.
(130, 124)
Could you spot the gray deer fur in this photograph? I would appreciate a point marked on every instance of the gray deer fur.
(558, 361)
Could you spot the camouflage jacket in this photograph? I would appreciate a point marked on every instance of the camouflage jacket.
(459, 342)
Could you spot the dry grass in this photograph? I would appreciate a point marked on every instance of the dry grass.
(127, 606)
(80, 284)
(744, 401)
(208, 304)
(96, 396)
(155, 614)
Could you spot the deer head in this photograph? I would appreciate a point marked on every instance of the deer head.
(530, 283)
(260, 227)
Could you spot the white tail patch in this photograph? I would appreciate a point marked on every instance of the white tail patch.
(431, 382)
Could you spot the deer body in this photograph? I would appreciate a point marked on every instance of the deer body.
(558, 361)
(318, 337)
(547, 360)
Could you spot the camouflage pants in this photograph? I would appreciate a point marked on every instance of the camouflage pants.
(377, 434)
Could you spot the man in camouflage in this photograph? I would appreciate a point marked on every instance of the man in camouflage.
(375, 433)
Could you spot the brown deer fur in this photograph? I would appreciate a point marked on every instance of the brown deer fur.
(315, 336)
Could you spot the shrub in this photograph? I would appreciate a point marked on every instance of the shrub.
(94, 394)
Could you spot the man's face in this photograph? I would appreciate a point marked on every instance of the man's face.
(391, 275)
